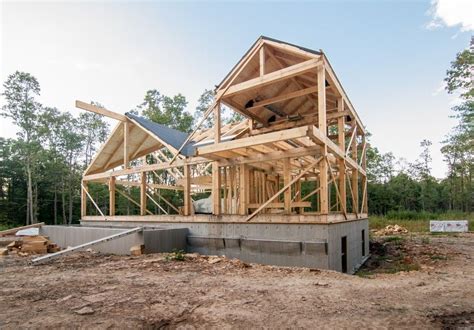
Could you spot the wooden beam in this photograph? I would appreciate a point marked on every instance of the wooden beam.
(112, 196)
(262, 61)
(254, 140)
(146, 168)
(306, 170)
(280, 205)
(83, 199)
(337, 188)
(143, 193)
(322, 124)
(216, 189)
(286, 180)
(13, 231)
(237, 70)
(90, 197)
(126, 154)
(162, 198)
(217, 123)
(243, 189)
(273, 77)
(341, 138)
(100, 111)
(187, 190)
(355, 173)
(156, 203)
(333, 81)
(132, 200)
(283, 97)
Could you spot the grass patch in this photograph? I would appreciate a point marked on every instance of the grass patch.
(394, 239)
(438, 257)
(176, 255)
(417, 224)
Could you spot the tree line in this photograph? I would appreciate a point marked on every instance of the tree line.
(40, 169)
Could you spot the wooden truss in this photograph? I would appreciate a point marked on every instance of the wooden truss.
(300, 151)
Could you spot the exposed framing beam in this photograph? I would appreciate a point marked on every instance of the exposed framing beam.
(100, 111)
(273, 77)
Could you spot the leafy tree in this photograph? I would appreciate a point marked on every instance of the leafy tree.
(165, 110)
(458, 149)
(95, 131)
(227, 115)
(20, 92)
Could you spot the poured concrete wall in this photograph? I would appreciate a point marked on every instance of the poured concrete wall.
(65, 236)
(155, 240)
(353, 231)
(304, 245)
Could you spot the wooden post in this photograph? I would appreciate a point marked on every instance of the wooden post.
(143, 193)
(112, 196)
(355, 173)
(323, 169)
(286, 180)
(298, 196)
(224, 184)
(341, 138)
(243, 189)
(217, 123)
(262, 61)
(126, 130)
(216, 188)
(84, 199)
(364, 177)
(187, 190)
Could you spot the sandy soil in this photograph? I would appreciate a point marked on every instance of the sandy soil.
(92, 290)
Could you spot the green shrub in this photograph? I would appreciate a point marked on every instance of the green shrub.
(176, 255)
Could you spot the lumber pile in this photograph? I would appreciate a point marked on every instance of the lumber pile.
(391, 230)
(27, 245)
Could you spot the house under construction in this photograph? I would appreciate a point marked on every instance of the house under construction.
(287, 185)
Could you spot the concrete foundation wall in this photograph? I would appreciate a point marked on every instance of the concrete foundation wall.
(353, 231)
(155, 240)
(304, 245)
(65, 236)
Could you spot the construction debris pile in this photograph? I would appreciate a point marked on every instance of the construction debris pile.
(25, 241)
(391, 230)
(27, 245)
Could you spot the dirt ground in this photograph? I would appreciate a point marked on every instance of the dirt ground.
(102, 291)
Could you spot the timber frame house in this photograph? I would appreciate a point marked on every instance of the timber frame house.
(298, 156)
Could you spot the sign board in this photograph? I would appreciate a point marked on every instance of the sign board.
(448, 226)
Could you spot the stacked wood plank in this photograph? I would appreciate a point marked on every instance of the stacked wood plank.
(30, 245)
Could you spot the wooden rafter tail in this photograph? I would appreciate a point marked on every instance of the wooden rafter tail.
(306, 170)
(100, 111)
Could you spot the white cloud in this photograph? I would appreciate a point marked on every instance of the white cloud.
(452, 13)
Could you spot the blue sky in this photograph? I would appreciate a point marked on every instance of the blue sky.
(391, 57)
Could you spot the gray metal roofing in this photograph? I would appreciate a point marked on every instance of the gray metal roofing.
(168, 135)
